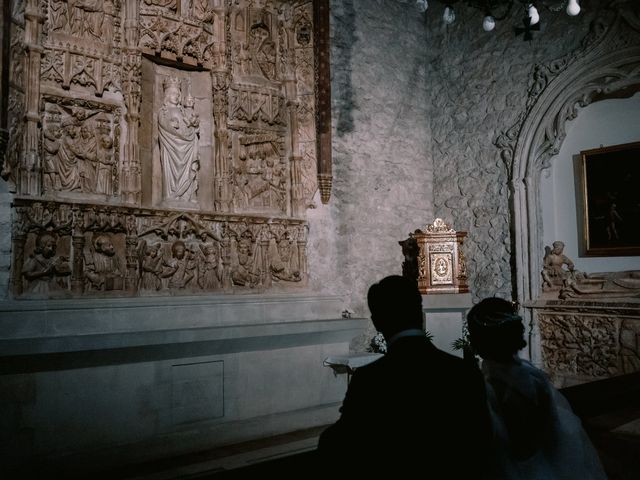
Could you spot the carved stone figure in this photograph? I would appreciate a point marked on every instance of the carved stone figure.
(51, 145)
(103, 268)
(180, 268)
(67, 158)
(105, 162)
(210, 267)
(263, 51)
(553, 273)
(45, 271)
(243, 272)
(86, 151)
(284, 259)
(150, 267)
(178, 131)
(58, 14)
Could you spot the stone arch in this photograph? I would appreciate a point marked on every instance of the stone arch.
(607, 65)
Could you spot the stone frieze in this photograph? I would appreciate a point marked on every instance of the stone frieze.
(84, 250)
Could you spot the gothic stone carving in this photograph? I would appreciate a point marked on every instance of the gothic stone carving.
(178, 134)
(78, 79)
(610, 53)
(86, 250)
(82, 43)
(193, 38)
(80, 145)
(586, 340)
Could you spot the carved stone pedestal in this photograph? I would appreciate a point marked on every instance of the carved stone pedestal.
(583, 341)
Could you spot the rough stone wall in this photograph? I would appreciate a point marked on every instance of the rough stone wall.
(479, 84)
(382, 186)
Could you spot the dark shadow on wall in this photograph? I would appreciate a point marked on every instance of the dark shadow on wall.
(344, 38)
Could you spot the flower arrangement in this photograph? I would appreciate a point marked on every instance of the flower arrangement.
(378, 344)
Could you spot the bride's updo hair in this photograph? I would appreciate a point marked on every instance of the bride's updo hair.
(496, 331)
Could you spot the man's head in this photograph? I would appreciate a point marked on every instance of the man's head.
(395, 304)
(103, 244)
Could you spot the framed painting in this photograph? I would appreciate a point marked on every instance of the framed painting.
(610, 200)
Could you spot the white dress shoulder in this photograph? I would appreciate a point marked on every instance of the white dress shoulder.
(537, 435)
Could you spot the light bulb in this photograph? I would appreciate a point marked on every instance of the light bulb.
(449, 15)
(532, 11)
(573, 8)
(489, 23)
(422, 5)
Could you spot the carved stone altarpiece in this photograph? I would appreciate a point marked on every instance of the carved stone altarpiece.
(161, 146)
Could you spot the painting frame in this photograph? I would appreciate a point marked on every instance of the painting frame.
(609, 202)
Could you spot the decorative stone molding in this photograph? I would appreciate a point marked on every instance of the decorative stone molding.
(93, 132)
(607, 62)
(589, 340)
(73, 249)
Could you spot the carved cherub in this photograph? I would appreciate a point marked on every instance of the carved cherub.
(553, 273)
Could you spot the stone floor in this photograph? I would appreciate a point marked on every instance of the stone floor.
(610, 410)
(616, 436)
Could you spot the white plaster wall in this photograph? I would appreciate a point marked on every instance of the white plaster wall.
(604, 123)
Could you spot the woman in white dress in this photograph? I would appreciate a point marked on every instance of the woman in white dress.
(537, 435)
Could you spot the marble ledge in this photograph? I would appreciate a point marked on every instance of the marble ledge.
(627, 306)
(62, 318)
(195, 341)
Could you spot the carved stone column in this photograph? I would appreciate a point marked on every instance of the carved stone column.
(226, 260)
(29, 175)
(302, 252)
(222, 176)
(131, 185)
(297, 192)
(77, 243)
(5, 46)
(263, 238)
(19, 240)
(131, 243)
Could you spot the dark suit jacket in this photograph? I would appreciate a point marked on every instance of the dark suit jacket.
(417, 409)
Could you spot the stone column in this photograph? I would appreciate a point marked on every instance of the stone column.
(131, 242)
(131, 185)
(263, 238)
(302, 251)
(19, 239)
(297, 191)
(222, 176)
(29, 175)
(77, 249)
(226, 260)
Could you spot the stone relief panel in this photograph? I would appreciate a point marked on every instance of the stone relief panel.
(16, 101)
(202, 108)
(82, 45)
(76, 249)
(80, 145)
(192, 35)
(584, 347)
(260, 181)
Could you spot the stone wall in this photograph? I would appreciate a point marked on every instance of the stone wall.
(480, 83)
(381, 141)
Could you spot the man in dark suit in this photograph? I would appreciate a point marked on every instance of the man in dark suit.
(417, 410)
